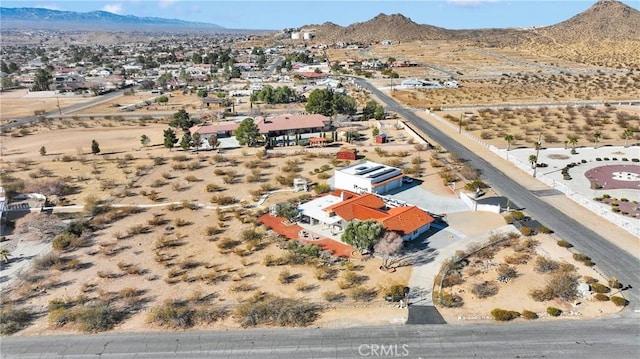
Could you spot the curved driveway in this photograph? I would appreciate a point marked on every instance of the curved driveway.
(609, 258)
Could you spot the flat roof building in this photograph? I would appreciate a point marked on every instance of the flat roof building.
(368, 177)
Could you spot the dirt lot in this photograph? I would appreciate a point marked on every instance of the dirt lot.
(515, 293)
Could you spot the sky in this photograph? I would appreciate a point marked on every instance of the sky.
(276, 15)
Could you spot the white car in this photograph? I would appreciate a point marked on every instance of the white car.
(407, 179)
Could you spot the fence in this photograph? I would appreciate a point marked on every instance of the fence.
(624, 223)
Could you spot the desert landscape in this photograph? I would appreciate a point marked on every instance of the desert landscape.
(136, 235)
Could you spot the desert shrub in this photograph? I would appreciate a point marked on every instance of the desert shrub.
(545, 265)
(393, 292)
(285, 277)
(589, 280)
(171, 314)
(581, 257)
(451, 279)
(363, 294)
(272, 310)
(526, 231)
(325, 273)
(448, 300)
(96, 317)
(527, 314)
(66, 240)
(485, 289)
(48, 261)
(504, 315)
(564, 244)
(349, 279)
(542, 294)
(517, 258)
(227, 243)
(600, 288)
(554, 312)
(13, 320)
(601, 297)
(506, 272)
(619, 301)
(333, 296)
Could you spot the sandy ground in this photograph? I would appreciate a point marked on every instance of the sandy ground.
(514, 295)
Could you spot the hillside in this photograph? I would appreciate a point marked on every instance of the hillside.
(605, 20)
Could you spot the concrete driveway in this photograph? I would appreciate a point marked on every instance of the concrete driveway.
(415, 195)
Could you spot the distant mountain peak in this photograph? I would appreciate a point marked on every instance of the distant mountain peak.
(98, 19)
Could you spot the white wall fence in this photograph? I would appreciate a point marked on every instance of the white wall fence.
(628, 224)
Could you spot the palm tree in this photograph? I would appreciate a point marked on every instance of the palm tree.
(573, 141)
(626, 134)
(596, 137)
(533, 159)
(4, 255)
(509, 138)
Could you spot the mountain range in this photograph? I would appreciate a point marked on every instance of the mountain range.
(605, 20)
(43, 19)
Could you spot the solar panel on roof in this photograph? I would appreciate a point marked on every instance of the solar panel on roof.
(375, 168)
(376, 175)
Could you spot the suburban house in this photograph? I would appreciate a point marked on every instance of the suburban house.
(270, 127)
(333, 211)
(368, 177)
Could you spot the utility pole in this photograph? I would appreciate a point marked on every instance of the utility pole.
(59, 110)
(460, 123)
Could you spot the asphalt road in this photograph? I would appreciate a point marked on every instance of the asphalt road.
(556, 339)
(610, 259)
(73, 108)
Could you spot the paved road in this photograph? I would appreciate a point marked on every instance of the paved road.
(67, 110)
(612, 260)
(556, 339)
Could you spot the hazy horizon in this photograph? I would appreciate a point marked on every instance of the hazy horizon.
(276, 15)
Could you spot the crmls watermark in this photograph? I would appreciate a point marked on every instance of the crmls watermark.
(384, 350)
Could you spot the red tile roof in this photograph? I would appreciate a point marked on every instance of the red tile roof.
(406, 219)
(369, 206)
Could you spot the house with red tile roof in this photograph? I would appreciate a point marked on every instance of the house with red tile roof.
(272, 126)
(333, 211)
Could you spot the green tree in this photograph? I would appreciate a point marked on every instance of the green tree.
(573, 141)
(4, 67)
(196, 58)
(247, 132)
(375, 132)
(509, 138)
(362, 235)
(43, 151)
(162, 99)
(170, 138)
(596, 137)
(533, 159)
(95, 147)
(144, 140)
(320, 101)
(186, 142)
(42, 80)
(626, 134)
(196, 140)
(181, 119)
(344, 104)
(202, 93)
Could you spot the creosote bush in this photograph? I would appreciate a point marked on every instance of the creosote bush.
(265, 309)
(619, 301)
(504, 315)
(527, 314)
(554, 312)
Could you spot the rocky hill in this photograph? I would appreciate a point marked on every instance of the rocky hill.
(605, 20)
